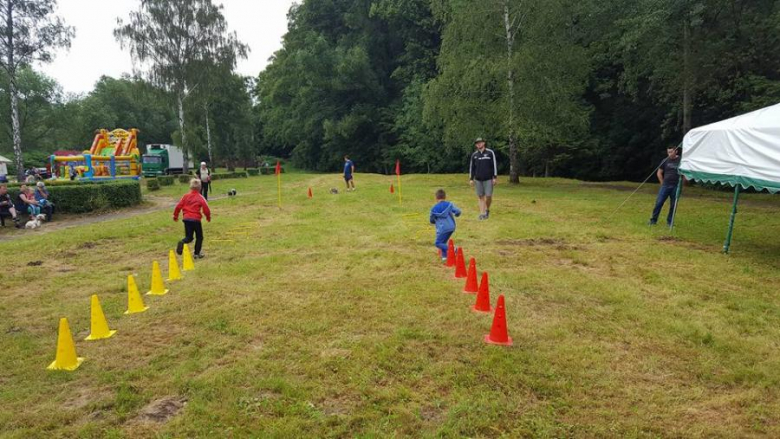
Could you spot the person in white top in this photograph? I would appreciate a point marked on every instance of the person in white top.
(204, 175)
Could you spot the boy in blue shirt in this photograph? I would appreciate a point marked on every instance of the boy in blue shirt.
(443, 215)
(349, 170)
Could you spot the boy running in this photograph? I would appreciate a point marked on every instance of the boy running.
(443, 215)
(191, 204)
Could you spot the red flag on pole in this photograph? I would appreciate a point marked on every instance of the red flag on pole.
(278, 168)
(397, 167)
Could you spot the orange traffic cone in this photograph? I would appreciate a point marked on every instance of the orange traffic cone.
(460, 266)
(310, 194)
(483, 296)
(451, 254)
(392, 189)
(498, 333)
(471, 278)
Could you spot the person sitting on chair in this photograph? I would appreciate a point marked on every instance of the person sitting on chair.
(7, 208)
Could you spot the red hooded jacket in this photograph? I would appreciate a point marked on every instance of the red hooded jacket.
(191, 204)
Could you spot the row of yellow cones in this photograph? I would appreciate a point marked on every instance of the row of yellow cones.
(67, 359)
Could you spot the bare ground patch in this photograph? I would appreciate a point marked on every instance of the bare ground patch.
(684, 243)
(85, 397)
(161, 410)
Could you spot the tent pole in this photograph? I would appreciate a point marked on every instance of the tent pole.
(727, 245)
(676, 202)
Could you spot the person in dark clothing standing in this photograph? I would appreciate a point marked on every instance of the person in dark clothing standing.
(669, 176)
(483, 174)
(204, 175)
(349, 173)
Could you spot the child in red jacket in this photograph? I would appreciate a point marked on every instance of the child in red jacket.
(191, 204)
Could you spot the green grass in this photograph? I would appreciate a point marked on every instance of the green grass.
(332, 318)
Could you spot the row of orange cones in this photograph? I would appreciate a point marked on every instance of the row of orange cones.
(67, 359)
(499, 334)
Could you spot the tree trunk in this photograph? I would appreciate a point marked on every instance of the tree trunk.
(17, 132)
(185, 150)
(17, 135)
(514, 176)
(687, 98)
(208, 131)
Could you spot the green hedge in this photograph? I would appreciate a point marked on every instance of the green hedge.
(48, 183)
(271, 170)
(253, 172)
(88, 197)
(166, 180)
(152, 184)
(185, 178)
(226, 175)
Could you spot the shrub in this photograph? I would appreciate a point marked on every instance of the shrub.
(271, 170)
(185, 178)
(88, 197)
(226, 175)
(152, 184)
(253, 172)
(49, 183)
(166, 180)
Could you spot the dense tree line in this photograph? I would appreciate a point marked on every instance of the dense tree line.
(574, 88)
(51, 121)
(189, 58)
(578, 88)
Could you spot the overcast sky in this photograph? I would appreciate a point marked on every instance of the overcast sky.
(94, 52)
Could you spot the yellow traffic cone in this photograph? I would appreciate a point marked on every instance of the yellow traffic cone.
(66, 358)
(158, 287)
(135, 303)
(99, 327)
(173, 267)
(186, 259)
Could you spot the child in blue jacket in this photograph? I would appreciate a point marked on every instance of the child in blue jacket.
(443, 214)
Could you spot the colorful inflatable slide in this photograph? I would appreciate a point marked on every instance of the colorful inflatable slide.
(113, 155)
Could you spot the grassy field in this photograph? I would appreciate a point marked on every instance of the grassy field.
(332, 318)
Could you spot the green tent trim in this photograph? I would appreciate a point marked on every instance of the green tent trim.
(733, 180)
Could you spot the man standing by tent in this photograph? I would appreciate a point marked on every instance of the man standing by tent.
(483, 172)
(669, 177)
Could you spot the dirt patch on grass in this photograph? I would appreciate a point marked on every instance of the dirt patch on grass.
(434, 415)
(35, 263)
(161, 410)
(556, 243)
(337, 406)
(531, 242)
(688, 244)
(335, 353)
(59, 267)
(87, 396)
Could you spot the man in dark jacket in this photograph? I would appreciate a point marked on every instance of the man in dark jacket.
(483, 173)
(668, 176)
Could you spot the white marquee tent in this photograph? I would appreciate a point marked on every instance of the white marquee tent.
(741, 152)
(4, 165)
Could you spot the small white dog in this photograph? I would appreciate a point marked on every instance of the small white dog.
(35, 222)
